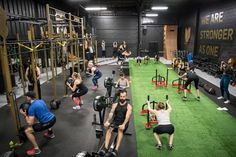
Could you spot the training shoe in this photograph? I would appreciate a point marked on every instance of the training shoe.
(170, 147)
(220, 98)
(158, 146)
(226, 102)
(198, 98)
(103, 152)
(94, 88)
(33, 151)
(184, 98)
(76, 107)
(47, 135)
(114, 153)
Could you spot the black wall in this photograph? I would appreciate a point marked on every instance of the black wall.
(152, 35)
(187, 20)
(119, 28)
(226, 46)
(116, 28)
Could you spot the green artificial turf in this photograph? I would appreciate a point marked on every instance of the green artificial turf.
(200, 129)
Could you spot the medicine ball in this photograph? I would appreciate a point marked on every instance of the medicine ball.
(25, 107)
(69, 80)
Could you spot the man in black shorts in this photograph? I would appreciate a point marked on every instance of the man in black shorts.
(37, 111)
(121, 112)
(190, 76)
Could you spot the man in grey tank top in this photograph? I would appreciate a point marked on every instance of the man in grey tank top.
(164, 123)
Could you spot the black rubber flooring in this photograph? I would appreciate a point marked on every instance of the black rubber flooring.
(74, 131)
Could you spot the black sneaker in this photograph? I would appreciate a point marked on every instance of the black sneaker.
(158, 146)
(103, 152)
(184, 98)
(170, 147)
(198, 98)
(114, 153)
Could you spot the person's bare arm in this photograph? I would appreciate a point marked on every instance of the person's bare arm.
(92, 70)
(74, 85)
(181, 76)
(117, 83)
(222, 65)
(38, 73)
(29, 119)
(169, 106)
(127, 83)
(107, 123)
(26, 74)
(128, 114)
(150, 109)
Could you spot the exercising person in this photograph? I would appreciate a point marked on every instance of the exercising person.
(103, 46)
(190, 76)
(121, 84)
(78, 89)
(38, 111)
(121, 112)
(30, 78)
(164, 123)
(93, 71)
(124, 52)
(227, 70)
(146, 59)
(138, 60)
(115, 49)
(156, 58)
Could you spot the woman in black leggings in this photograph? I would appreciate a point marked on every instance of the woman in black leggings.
(78, 89)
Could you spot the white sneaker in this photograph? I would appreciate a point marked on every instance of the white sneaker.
(225, 109)
(220, 97)
(76, 107)
(219, 109)
(227, 102)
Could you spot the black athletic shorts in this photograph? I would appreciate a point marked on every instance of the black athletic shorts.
(38, 127)
(117, 124)
(161, 129)
(189, 80)
(139, 60)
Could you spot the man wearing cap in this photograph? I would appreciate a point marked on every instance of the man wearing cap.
(38, 111)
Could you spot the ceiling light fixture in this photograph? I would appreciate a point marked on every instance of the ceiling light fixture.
(95, 8)
(160, 8)
(151, 15)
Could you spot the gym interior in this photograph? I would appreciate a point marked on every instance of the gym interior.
(127, 78)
